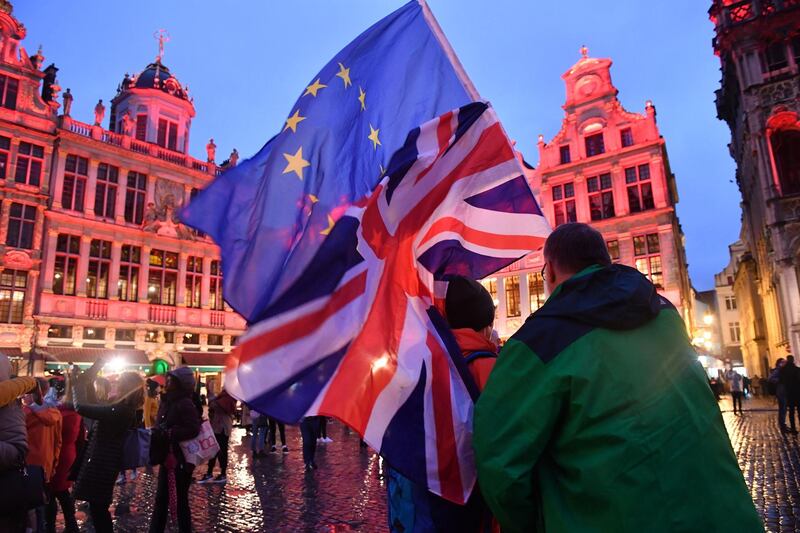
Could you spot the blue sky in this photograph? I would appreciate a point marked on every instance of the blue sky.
(246, 61)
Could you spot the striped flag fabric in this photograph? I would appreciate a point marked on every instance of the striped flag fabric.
(360, 335)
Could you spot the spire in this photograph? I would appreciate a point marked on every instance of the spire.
(162, 37)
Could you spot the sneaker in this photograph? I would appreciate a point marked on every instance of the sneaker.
(273, 449)
(285, 449)
(207, 478)
(221, 478)
(328, 439)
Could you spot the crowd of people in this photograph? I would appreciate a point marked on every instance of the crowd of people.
(595, 415)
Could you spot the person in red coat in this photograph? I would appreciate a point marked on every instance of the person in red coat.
(73, 438)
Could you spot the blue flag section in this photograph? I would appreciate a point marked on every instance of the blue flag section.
(270, 214)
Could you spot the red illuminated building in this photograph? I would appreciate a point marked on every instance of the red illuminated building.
(609, 168)
(94, 259)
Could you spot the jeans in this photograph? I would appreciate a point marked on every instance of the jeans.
(183, 478)
(323, 427)
(101, 517)
(737, 400)
(222, 440)
(273, 425)
(791, 407)
(67, 509)
(309, 429)
(258, 438)
(781, 411)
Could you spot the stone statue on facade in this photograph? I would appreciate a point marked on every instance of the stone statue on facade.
(234, 158)
(211, 150)
(150, 220)
(67, 97)
(99, 113)
(127, 124)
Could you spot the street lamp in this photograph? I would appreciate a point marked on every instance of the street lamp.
(708, 320)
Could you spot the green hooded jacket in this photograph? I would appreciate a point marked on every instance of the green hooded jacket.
(598, 417)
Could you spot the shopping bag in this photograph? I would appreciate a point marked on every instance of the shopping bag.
(201, 448)
(136, 449)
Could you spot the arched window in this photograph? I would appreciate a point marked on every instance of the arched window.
(786, 149)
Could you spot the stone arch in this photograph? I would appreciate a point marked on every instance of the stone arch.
(783, 133)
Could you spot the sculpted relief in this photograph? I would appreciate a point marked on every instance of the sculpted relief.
(161, 217)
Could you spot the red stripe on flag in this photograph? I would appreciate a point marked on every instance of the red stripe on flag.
(482, 238)
(444, 132)
(447, 459)
(301, 326)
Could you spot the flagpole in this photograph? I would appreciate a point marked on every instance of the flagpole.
(448, 50)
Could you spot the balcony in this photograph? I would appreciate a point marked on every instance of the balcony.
(729, 13)
(160, 314)
(217, 319)
(140, 147)
(97, 309)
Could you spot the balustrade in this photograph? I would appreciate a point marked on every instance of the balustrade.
(160, 314)
(217, 319)
(97, 309)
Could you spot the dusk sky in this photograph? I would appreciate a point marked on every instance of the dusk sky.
(246, 62)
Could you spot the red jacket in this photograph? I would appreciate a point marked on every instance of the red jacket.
(471, 341)
(72, 435)
(44, 438)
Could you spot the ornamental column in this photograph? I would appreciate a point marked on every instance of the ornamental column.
(49, 261)
(113, 276)
(144, 274)
(620, 190)
(119, 207)
(38, 230)
(83, 265)
(581, 199)
(91, 186)
(181, 292)
(658, 180)
(525, 294)
(205, 283)
(5, 206)
(58, 190)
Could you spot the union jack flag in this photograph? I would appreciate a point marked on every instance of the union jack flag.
(360, 335)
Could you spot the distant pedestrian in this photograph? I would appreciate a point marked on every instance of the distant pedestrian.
(178, 421)
(777, 389)
(309, 430)
(275, 426)
(102, 457)
(735, 382)
(260, 428)
(789, 378)
(221, 408)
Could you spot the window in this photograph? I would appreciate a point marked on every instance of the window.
(94, 334)
(491, 286)
(21, 221)
(594, 145)
(141, 127)
(564, 203)
(564, 153)
(152, 336)
(125, 335)
(786, 151)
(194, 277)
(5, 153)
(640, 190)
(626, 136)
(613, 250)
(128, 284)
(75, 172)
(215, 301)
(99, 267)
(511, 284)
(167, 134)
(105, 199)
(775, 56)
(536, 290)
(12, 296)
(59, 332)
(601, 197)
(730, 303)
(134, 197)
(646, 248)
(30, 161)
(215, 340)
(162, 281)
(68, 249)
(734, 331)
(191, 338)
(8, 92)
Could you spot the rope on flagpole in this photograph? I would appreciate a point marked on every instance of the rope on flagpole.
(448, 50)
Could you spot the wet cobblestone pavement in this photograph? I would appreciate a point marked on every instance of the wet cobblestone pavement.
(346, 493)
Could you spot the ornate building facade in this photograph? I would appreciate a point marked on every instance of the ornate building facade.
(758, 43)
(94, 259)
(606, 167)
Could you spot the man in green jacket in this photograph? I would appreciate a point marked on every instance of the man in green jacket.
(598, 416)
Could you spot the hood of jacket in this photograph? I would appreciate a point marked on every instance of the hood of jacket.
(616, 297)
(185, 377)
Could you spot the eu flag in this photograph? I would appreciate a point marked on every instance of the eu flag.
(270, 214)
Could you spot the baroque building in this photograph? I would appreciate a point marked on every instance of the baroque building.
(758, 43)
(609, 168)
(729, 319)
(94, 259)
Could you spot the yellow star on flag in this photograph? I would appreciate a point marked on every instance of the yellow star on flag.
(344, 73)
(327, 230)
(373, 136)
(293, 121)
(313, 198)
(383, 171)
(362, 97)
(296, 163)
(314, 88)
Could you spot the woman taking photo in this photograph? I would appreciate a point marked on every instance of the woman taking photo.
(103, 456)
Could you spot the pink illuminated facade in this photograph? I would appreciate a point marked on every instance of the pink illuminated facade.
(609, 168)
(94, 259)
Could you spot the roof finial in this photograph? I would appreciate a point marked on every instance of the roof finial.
(584, 51)
(162, 37)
